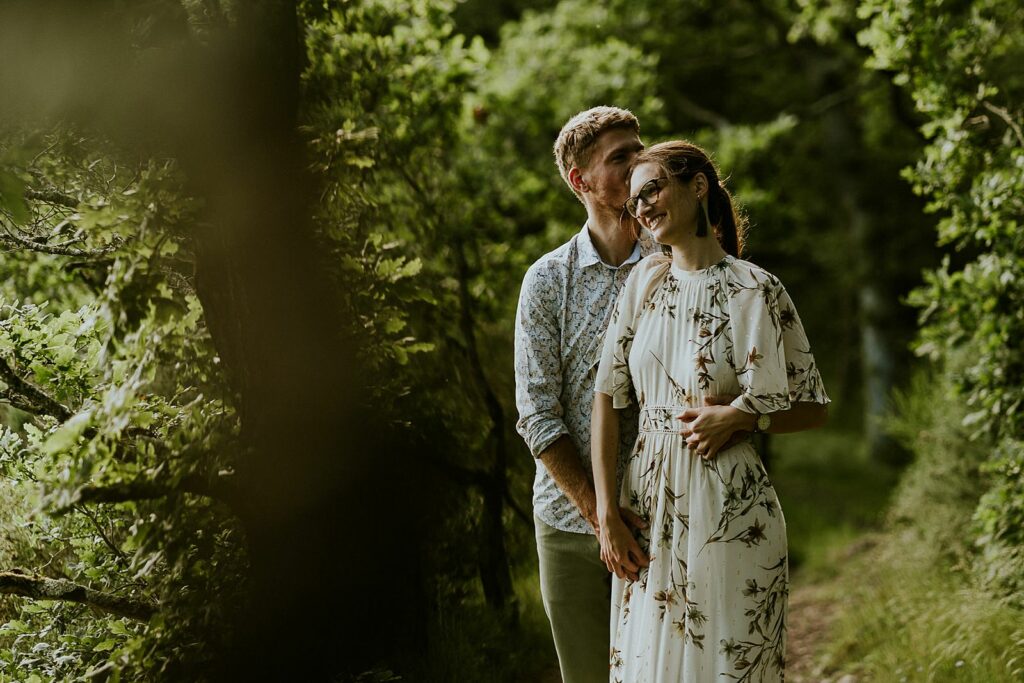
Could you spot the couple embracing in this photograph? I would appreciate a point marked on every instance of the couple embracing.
(646, 353)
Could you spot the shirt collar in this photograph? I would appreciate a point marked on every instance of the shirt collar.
(589, 256)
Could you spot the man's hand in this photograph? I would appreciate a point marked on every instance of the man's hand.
(631, 519)
(620, 551)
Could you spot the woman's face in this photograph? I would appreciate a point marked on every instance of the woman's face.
(664, 206)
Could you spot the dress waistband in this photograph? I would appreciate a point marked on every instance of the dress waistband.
(665, 420)
(661, 418)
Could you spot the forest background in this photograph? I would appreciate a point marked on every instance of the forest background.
(260, 266)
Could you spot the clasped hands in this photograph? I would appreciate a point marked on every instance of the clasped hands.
(620, 551)
(713, 427)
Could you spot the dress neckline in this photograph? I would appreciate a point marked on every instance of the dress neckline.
(681, 274)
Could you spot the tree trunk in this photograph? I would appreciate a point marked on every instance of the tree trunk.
(333, 553)
(875, 297)
(495, 574)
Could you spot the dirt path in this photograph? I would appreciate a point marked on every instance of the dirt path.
(810, 616)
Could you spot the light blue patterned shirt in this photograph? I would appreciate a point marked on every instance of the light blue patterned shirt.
(564, 307)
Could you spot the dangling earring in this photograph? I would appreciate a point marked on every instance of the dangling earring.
(702, 218)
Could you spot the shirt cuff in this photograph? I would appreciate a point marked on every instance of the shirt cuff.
(544, 434)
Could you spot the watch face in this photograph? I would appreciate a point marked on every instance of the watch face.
(763, 423)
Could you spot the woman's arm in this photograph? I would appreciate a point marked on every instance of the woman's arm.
(707, 429)
(619, 549)
(801, 417)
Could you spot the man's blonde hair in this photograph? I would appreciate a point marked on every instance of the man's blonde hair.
(575, 142)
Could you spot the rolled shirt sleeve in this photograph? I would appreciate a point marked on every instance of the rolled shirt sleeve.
(538, 366)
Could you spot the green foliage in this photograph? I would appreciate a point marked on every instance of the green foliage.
(121, 341)
(472, 644)
(940, 489)
(910, 608)
(960, 63)
(548, 66)
(384, 87)
(1000, 521)
(131, 394)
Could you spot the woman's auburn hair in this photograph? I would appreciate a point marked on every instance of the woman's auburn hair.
(683, 160)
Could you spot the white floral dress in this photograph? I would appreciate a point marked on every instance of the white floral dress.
(712, 604)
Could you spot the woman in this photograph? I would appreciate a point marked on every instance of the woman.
(700, 595)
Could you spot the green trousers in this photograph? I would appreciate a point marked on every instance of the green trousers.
(576, 588)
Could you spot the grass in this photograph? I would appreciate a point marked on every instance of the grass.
(882, 553)
(907, 616)
(831, 494)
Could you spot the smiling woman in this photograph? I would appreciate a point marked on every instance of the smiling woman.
(702, 323)
(695, 194)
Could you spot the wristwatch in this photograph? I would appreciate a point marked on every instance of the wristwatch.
(763, 422)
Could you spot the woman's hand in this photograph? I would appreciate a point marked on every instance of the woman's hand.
(712, 428)
(620, 551)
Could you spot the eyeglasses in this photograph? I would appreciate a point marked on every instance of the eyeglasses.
(648, 194)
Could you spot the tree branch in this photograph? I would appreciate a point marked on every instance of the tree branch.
(14, 240)
(222, 489)
(35, 399)
(1007, 118)
(104, 535)
(19, 582)
(52, 196)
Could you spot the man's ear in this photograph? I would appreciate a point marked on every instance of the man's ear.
(576, 180)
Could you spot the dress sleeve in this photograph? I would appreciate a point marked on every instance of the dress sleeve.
(770, 352)
(805, 385)
(613, 377)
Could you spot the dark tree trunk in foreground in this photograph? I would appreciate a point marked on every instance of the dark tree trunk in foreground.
(332, 553)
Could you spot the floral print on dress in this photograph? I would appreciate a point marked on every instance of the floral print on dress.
(712, 604)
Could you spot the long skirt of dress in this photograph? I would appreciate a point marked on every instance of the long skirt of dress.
(712, 604)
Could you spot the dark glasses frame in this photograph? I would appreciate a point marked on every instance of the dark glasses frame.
(648, 193)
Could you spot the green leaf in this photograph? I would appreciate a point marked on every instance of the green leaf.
(411, 268)
(420, 347)
(105, 646)
(67, 434)
(15, 626)
(394, 325)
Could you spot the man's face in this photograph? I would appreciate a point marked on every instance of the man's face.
(607, 174)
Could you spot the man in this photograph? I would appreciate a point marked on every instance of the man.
(564, 307)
